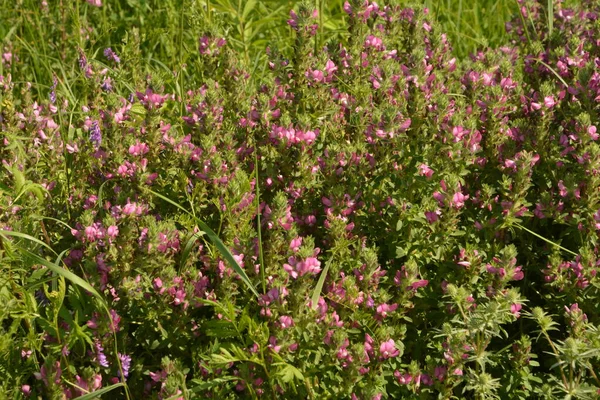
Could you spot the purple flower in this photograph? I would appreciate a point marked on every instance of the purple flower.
(101, 357)
(125, 364)
(107, 85)
(111, 55)
(95, 134)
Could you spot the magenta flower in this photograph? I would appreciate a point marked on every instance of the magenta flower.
(285, 321)
(549, 101)
(458, 200)
(515, 309)
(383, 310)
(440, 373)
(424, 170)
(432, 216)
(419, 284)
(388, 349)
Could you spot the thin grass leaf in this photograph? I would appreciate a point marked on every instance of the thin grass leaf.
(553, 71)
(100, 392)
(546, 240)
(550, 17)
(76, 280)
(28, 237)
(259, 229)
(214, 238)
(317, 292)
(188, 248)
(41, 217)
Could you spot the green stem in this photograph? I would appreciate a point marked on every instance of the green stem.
(258, 223)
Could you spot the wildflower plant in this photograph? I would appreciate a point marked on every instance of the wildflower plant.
(368, 217)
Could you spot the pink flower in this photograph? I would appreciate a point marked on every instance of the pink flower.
(383, 310)
(347, 8)
(295, 244)
(403, 379)
(592, 132)
(440, 373)
(515, 309)
(388, 349)
(549, 101)
(330, 68)
(424, 170)
(458, 200)
(112, 231)
(285, 321)
(419, 284)
(374, 42)
(90, 233)
(518, 274)
(273, 344)
(432, 216)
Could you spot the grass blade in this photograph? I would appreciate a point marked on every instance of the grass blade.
(28, 237)
(259, 227)
(214, 238)
(76, 280)
(100, 392)
(317, 292)
(546, 240)
(188, 248)
(550, 17)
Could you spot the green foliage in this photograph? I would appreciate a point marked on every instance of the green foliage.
(244, 199)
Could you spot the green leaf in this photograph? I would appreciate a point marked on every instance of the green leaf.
(250, 5)
(289, 372)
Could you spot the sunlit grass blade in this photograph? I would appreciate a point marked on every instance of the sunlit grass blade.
(188, 248)
(76, 280)
(28, 237)
(259, 227)
(550, 17)
(319, 287)
(100, 392)
(546, 240)
(214, 238)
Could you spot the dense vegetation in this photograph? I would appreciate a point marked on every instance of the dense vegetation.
(281, 200)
